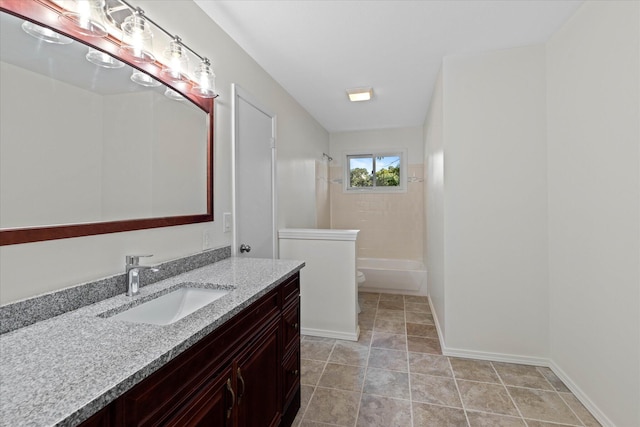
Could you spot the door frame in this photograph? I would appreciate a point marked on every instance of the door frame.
(238, 93)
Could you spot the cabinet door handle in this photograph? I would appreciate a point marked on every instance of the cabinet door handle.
(294, 372)
(240, 394)
(295, 326)
(233, 398)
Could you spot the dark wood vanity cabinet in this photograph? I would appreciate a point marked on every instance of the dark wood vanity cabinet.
(244, 374)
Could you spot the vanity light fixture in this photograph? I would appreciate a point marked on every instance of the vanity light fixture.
(44, 33)
(137, 38)
(205, 80)
(83, 20)
(144, 79)
(360, 94)
(172, 94)
(102, 59)
(175, 57)
(176, 61)
(89, 18)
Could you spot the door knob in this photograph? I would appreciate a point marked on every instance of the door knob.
(245, 248)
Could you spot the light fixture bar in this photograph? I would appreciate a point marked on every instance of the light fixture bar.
(161, 28)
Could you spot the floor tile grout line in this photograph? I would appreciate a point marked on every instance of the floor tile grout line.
(366, 368)
(506, 385)
(508, 394)
(406, 343)
(315, 387)
(553, 390)
(570, 408)
(455, 381)
(552, 422)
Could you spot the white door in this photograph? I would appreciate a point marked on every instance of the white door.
(254, 178)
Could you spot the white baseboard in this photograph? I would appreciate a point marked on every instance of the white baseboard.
(581, 396)
(419, 292)
(527, 360)
(483, 355)
(494, 357)
(331, 334)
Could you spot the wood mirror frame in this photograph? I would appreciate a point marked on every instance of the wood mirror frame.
(45, 13)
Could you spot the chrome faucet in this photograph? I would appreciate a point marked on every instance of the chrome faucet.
(132, 269)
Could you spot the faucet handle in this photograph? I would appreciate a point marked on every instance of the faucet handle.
(135, 259)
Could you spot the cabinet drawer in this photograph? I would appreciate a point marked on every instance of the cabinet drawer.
(291, 289)
(291, 326)
(291, 375)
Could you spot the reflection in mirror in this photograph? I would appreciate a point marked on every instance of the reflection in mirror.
(82, 143)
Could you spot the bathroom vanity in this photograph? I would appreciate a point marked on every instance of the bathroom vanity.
(234, 362)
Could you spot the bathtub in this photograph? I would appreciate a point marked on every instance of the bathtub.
(393, 275)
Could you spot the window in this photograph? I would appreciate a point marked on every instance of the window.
(376, 171)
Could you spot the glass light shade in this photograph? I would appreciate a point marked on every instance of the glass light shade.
(205, 81)
(176, 61)
(172, 94)
(103, 59)
(144, 79)
(137, 38)
(45, 34)
(85, 17)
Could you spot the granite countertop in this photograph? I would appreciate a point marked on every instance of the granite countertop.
(62, 370)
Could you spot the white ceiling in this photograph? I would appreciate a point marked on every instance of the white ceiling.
(316, 49)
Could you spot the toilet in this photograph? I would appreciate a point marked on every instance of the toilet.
(360, 278)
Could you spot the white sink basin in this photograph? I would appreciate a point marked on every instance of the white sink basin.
(171, 307)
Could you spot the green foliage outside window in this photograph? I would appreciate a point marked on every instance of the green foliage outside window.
(360, 177)
(363, 170)
(389, 177)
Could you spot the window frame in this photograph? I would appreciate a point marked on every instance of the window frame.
(346, 179)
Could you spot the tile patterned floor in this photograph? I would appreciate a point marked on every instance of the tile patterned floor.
(396, 376)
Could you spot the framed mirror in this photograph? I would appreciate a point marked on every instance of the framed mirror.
(87, 149)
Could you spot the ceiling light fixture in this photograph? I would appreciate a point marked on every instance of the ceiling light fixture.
(360, 94)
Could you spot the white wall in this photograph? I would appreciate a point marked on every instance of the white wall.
(434, 204)
(495, 202)
(381, 139)
(594, 209)
(573, 184)
(300, 139)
